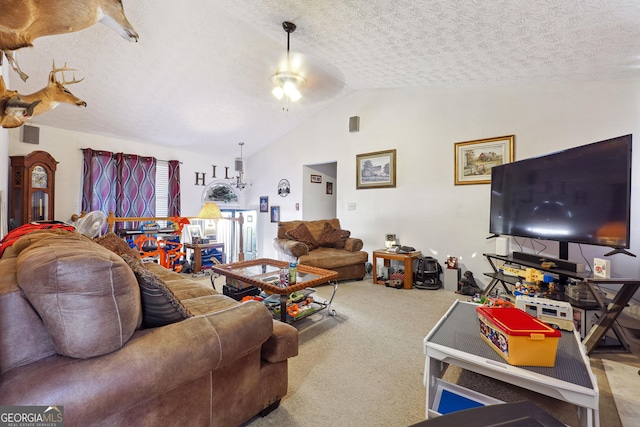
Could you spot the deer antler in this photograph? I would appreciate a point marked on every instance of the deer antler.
(62, 70)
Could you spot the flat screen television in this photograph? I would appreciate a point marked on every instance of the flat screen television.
(578, 195)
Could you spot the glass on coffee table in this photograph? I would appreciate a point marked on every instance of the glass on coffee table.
(264, 273)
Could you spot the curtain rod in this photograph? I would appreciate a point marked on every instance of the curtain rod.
(105, 151)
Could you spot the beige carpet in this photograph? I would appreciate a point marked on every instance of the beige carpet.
(365, 366)
(625, 383)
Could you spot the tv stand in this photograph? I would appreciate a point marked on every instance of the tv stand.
(619, 251)
(610, 312)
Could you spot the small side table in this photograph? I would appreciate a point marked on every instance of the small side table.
(197, 252)
(406, 258)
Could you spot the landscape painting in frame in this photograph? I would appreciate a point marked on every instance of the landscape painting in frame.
(474, 159)
(376, 170)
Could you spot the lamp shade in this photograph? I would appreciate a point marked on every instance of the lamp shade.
(210, 210)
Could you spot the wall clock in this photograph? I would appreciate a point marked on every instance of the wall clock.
(284, 188)
(31, 187)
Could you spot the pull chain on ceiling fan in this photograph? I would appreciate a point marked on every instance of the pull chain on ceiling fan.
(286, 82)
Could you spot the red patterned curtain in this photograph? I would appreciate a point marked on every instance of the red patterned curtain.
(174, 188)
(118, 182)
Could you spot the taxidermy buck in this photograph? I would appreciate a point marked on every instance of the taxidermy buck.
(23, 21)
(15, 109)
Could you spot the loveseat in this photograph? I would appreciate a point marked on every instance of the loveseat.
(324, 244)
(81, 328)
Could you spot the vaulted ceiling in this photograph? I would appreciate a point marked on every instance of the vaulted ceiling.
(199, 76)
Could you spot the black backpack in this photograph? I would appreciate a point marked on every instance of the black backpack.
(427, 274)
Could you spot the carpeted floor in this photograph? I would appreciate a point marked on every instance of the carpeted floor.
(365, 366)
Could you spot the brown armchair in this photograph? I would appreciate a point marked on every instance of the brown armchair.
(324, 244)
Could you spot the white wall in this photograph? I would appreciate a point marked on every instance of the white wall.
(316, 203)
(426, 210)
(65, 146)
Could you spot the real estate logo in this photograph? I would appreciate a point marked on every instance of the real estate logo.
(31, 416)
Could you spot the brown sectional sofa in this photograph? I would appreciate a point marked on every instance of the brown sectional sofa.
(348, 260)
(70, 335)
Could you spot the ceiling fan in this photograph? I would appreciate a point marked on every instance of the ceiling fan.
(286, 81)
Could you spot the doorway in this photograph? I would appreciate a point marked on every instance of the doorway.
(319, 191)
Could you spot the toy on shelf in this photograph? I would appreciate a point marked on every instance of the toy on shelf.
(496, 302)
(558, 314)
(530, 275)
(525, 289)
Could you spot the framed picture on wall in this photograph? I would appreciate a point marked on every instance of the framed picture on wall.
(329, 187)
(317, 179)
(264, 204)
(275, 213)
(376, 170)
(473, 160)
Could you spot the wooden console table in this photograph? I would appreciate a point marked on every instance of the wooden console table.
(406, 258)
(197, 252)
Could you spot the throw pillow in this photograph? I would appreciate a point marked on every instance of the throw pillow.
(332, 237)
(118, 246)
(302, 234)
(159, 305)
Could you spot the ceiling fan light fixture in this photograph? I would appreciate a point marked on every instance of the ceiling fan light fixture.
(295, 95)
(287, 83)
(278, 92)
(286, 86)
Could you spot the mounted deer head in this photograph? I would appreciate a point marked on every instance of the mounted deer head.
(23, 21)
(15, 109)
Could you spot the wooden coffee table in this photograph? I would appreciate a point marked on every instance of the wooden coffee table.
(264, 273)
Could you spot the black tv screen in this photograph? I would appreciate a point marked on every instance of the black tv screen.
(579, 195)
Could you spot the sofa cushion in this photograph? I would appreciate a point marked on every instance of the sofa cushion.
(301, 234)
(23, 339)
(332, 237)
(86, 295)
(331, 258)
(159, 305)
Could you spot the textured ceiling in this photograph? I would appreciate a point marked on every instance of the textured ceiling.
(199, 77)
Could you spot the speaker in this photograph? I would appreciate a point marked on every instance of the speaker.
(354, 124)
(31, 134)
(502, 246)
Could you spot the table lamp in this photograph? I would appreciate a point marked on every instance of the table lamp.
(210, 210)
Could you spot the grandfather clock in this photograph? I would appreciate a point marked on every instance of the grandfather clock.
(31, 187)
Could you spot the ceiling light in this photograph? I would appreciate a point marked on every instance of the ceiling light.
(287, 83)
(239, 180)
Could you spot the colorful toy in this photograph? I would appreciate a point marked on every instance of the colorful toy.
(495, 302)
(558, 314)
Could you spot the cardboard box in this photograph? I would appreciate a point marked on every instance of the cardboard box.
(518, 337)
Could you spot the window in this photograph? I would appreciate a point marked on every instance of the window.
(162, 188)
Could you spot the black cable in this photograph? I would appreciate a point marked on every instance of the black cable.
(517, 243)
(533, 248)
(585, 259)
